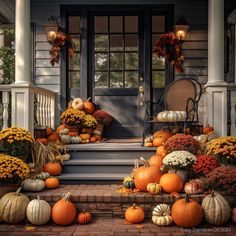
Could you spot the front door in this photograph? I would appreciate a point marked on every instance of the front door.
(117, 83)
(114, 63)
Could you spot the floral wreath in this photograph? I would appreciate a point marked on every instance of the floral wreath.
(59, 41)
(170, 47)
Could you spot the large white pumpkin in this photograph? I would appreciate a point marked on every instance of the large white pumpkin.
(216, 209)
(38, 212)
(14, 207)
(34, 185)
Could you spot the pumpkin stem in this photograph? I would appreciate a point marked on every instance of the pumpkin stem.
(213, 193)
(145, 162)
(38, 197)
(89, 98)
(18, 191)
(187, 198)
(67, 196)
(134, 206)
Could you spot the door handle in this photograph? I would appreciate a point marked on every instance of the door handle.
(141, 95)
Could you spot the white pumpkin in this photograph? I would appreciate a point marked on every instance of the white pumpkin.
(63, 131)
(43, 175)
(38, 212)
(216, 209)
(75, 139)
(14, 207)
(201, 138)
(66, 157)
(161, 215)
(65, 138)
(171, 116)
(97, 132)
(77, 104)
(34, 185)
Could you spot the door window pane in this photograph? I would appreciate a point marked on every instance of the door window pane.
(131, 24)
(101, 24)
(116, 42)
(131, 79)
(74, 24)
(116, 80)
(131, 61)
(116, 24)
(116, 61)
(158, 63)
(74, 79)
(74, 62)
(76, 41)
(101, 43)
(158, 79)
(155, 39)
(101, 61)
(101, 79)
(158, 24)
(131, 43)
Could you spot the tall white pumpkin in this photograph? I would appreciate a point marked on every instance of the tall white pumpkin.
(216, 209)
(38, 212)
(14, 207)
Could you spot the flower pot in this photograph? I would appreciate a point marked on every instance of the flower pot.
(7, 188)
(72, 128)
(182, 173)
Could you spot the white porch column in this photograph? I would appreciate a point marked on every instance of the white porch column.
(1, 45)
(22, 89)
(216, 88)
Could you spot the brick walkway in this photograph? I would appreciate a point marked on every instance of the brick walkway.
(107, 227)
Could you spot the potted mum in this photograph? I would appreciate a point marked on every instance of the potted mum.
(179, 162)
(16, 141)
(89, 124)
(12, 172)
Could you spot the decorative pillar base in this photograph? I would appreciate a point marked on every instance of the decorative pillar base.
(23, 106)
(216, 107)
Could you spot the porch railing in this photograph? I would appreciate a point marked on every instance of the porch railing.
(44, 107)
(232, 109)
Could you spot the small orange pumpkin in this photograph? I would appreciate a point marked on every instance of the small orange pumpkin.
(42, 140)
(148, 144)
(73, 133)
(156, 160)
(208, 129)
(171, 182)
(84, 217)
(134, 214)
(158, 141)
(92, 139)
(51, 182)
(85, 136)
(54, 137)
(162, 134)
(53, 168)
(186, 212)
(64, 211)
(89, 107)
(49, 131)
(161, 151)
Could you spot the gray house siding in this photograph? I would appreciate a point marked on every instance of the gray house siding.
(194, 49)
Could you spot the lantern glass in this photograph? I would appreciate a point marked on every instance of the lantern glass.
(51, 28)
(181, 31)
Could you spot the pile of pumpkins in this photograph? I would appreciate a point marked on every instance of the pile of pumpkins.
(16, 206)
(50, 136)
(187, 212)
(68, 136)
(46, 179)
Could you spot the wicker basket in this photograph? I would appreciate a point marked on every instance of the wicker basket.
(7, 188)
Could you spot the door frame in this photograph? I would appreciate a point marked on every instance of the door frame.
(83, 12)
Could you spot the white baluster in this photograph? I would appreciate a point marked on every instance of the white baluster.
(5, 102)
(233, 113)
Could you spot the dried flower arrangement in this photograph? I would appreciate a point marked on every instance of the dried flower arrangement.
(102, 117)
(222, 179)
(204, 165)
(181, 142)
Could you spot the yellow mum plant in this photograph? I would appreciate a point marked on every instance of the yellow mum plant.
(72, 117)
(16, 141)
(89, 121)
(224, 148)
(12, 169)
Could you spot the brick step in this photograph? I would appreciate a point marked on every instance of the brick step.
(105, 200)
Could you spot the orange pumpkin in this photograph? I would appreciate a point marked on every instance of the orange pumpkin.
(42, 140)
(84, 217)
(49, 131)
(53, 137)
(51, 182)
(134, 214)
(85, 136)
(146, 174)
(53, 168)
(156, 160)
(92, 139)
(161, 151)
(158, 141)
(162, 134)
(73, 133)
(171, 182)
(89, 107)
(186, 213)
(64, 211)
(148, 144)
(208, 129)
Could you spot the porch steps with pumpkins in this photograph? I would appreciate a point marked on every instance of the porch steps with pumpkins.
(101, 162)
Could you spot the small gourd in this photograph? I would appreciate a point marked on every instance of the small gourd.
(161, 215)
(84, 217)
(77, 104)
(65, 138)
(154, 188)
(34, 185)
(66, 157)
(38, 212)
(194, 186)
(63, 131)
(128, 182)
(43, 175)
(76, 139)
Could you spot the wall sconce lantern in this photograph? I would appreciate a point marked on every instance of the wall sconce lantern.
(181, 28)
(51, 28)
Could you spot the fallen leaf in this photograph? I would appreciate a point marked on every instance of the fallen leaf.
(175, 194)
(29, 228)
(127, 222)
(139, 226)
